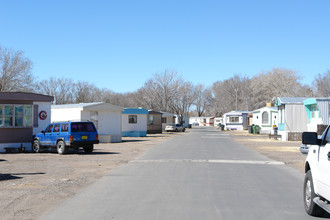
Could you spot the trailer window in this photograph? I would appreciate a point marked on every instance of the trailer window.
(132, 119)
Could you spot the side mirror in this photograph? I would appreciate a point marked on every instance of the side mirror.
(310, 138)
(43, 131)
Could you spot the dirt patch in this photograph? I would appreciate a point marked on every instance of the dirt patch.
(31, 184)
(284, 151)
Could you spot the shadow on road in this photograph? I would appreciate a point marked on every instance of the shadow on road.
(161, 136)
(99, 153)
(123, 141)
(12, 176)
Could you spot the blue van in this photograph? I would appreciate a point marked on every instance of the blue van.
(65, 135)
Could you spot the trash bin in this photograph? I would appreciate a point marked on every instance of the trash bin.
(222, 127)
(275, 130)
(250, 129)
(257, 129)
(253, 129)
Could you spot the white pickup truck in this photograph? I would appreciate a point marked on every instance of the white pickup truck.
(317, 173)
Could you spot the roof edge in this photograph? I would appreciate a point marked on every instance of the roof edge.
(25, 96)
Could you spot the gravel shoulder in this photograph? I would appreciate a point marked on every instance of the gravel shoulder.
(284, 151)
(32, 184)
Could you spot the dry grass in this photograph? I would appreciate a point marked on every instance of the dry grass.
(284, 151)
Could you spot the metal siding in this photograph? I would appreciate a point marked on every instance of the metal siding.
(323, 107)
(296, 118)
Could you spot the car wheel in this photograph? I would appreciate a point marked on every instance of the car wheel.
(61, 148)
(309, 194)
(36, 146)
(88, 149)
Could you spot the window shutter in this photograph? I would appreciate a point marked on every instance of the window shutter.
(35, 116)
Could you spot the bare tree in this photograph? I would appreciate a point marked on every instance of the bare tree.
(160, 91)
(183, 100)
(121, 99)
(62, 89)
(321, 84)
(203, 98)
(166, 91)
(66, 91)
(231, 94)
(15, 71)
(85, 92)
(277, 82)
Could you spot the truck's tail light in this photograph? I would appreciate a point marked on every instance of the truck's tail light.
(97, 137)
(70, 138)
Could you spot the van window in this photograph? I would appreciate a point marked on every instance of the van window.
(49, 128)
(65, 128)
(82, 127)
(57, 128)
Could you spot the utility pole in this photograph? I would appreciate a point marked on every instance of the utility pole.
(236, 97)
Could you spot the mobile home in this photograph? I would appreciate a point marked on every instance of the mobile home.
(22, 115)
(105, 116)
(266, 118)
(134, 122)
(236, 120)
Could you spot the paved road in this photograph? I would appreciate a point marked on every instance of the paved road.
(202, 174)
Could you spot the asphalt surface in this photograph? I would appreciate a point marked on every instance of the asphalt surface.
(202, 174)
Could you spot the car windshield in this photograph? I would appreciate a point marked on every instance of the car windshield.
(82, 127)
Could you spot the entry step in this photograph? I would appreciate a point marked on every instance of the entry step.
(324, 205)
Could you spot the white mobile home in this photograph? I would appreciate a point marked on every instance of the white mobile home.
(217, 121)
(134, 122)
(202, 121)
(106, 117)
(236, 120)
(266, 118)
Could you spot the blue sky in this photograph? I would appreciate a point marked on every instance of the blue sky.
(120, 44)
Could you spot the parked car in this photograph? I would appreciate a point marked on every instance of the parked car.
(65, 135)
(304, 149)
(175, 127)
(317, 173)
(195, 124)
